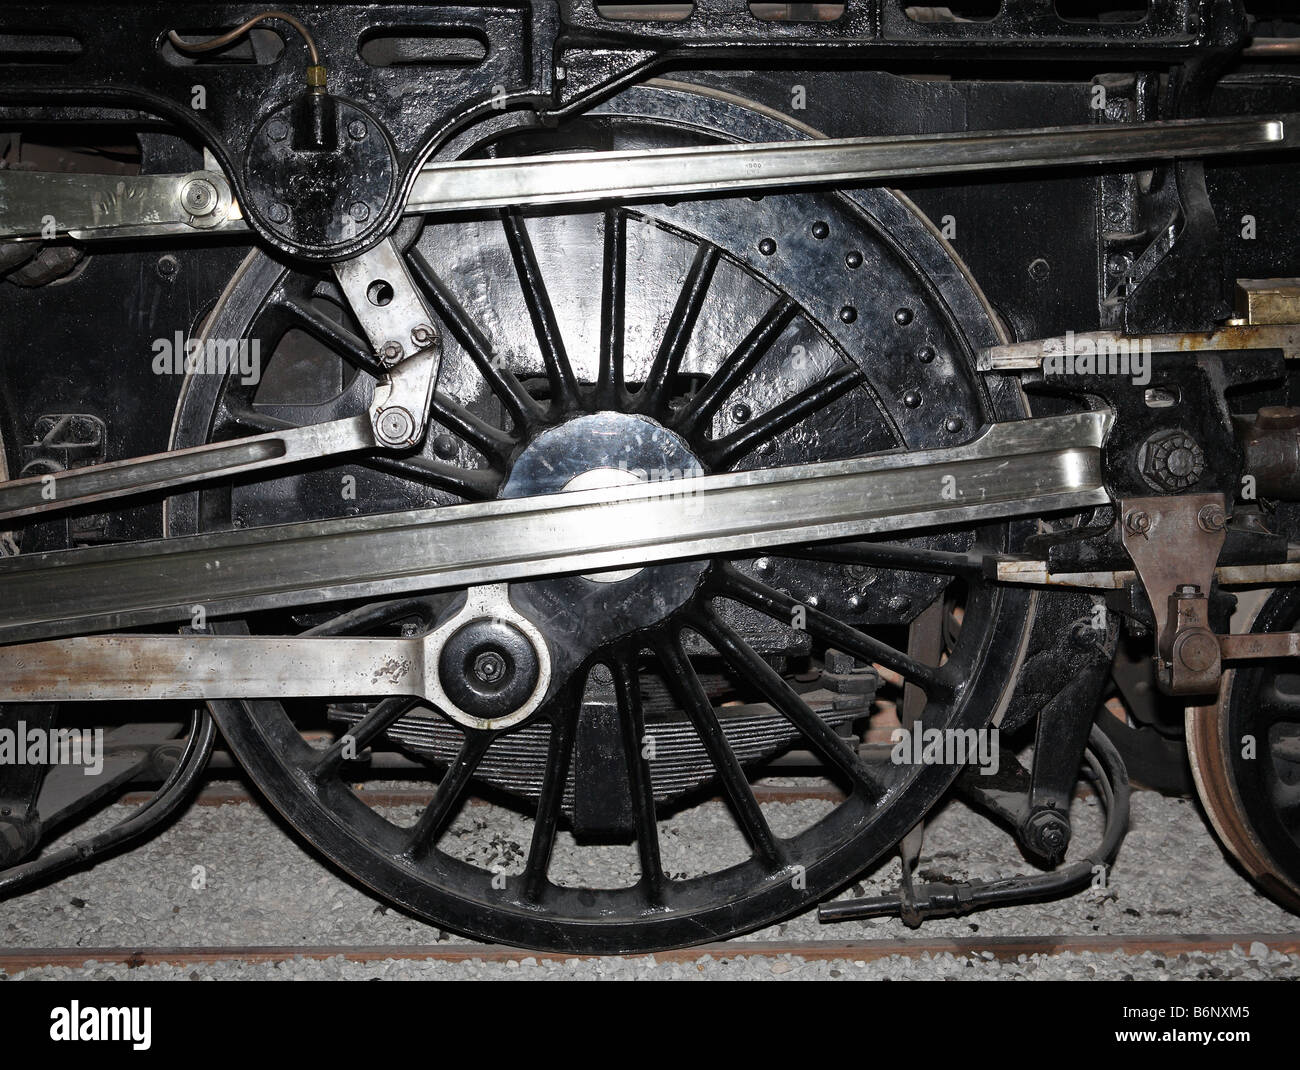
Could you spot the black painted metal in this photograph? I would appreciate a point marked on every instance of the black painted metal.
(850, 329)
(631, 407)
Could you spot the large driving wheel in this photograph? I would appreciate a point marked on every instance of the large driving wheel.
(653, 341)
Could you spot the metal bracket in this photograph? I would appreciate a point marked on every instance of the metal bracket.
(1174, 543)
(45, 204)
(383, 297)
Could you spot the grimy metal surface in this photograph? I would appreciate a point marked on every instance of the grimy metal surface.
(79, 486)
(401, 321)
(655, 173)
(566, 178)
(1052, 248)
(110, 667)
(1011, 469)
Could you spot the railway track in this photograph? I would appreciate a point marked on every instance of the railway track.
(229, 793)
(1004, 948)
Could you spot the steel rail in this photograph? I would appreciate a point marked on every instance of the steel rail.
(1004, 948)
(1023, 467)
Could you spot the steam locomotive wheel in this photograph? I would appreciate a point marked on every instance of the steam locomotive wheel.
(1245, 753)
(588, 346)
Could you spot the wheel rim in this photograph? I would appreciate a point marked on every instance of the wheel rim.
(936, 324)
(1245, 753)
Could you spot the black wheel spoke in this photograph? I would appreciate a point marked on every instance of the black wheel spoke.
(564, 387)
(1277, 705)
(446, 800)
(654, 396)
(727, 451)
(340, 341)
(363, 733)
(477, 484)
(692, 420)
(780, 606)
(1286, 803)
(613, 309)
(834, 748)
(373, 615)
(688, 691)
(632, 724)
(559, 754)
(523, 411)
(491, 442)
(240, 415)
(890, 556)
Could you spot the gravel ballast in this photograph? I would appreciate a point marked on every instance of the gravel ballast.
(227, 875)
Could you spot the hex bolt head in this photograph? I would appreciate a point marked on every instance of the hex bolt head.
(360, 211)
(444, 446)
(277, 130)
(1171, 460)
(1212, 519)
(357, 130)
(1137, 522)
(395, 425)
(489, 667)
(391, 352)
(278, 213)
(423, 335)
(1049, 833)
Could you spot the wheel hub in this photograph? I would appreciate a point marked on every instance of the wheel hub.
(605, 449)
